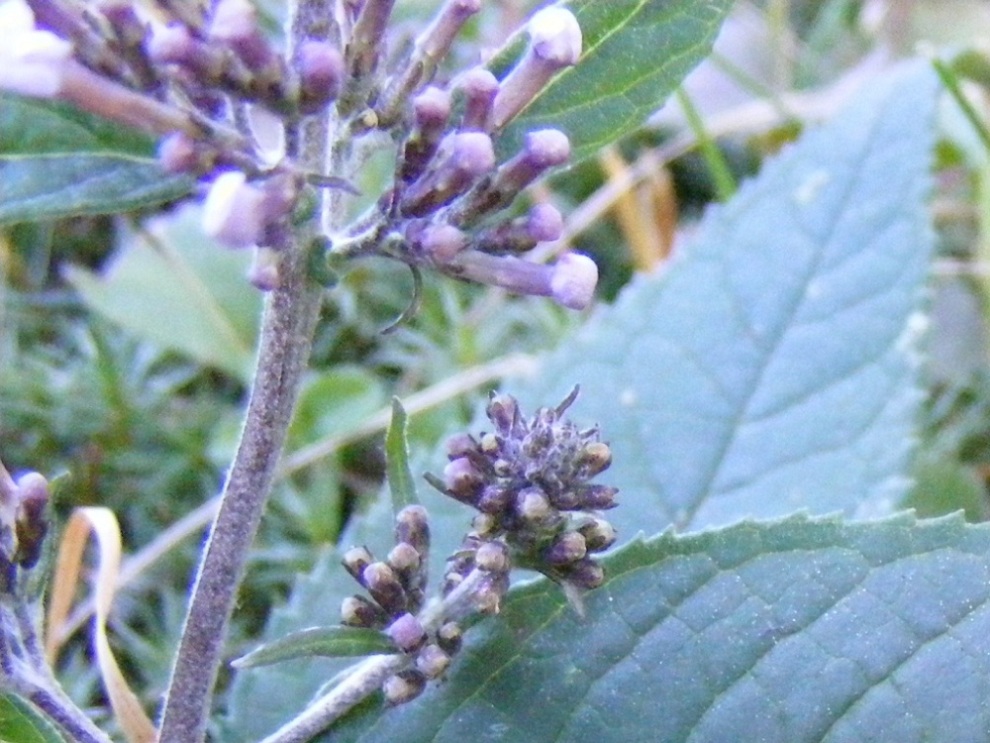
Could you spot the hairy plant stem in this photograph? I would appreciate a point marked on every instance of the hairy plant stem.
(366, 677)
(287, 331)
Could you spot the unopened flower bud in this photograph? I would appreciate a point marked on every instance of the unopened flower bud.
(503, 412)
(435, 242)
(494, 499)
(384, 586)
(175, 44)
(407, 633)
(478, 86)
(586, 574)
(412, 527)
(235, 23)
(484, 524)
(355, 560)
(321, 73)
(492, 557)
(32, 62)
(462, 479)
(263, 271)
(30, 519)
(460, 444)
(543, 149)
(567, 548)
(490, 592)
(598, 534)
(432, 661)
(595, 458)
(404, 686)
(357, 611)
(533, 506)
(555, 43)
(404, 559)
(461, 158)
(598, 497)
(544, 223)
(431, 109)
(574, 279)
(450, 637)
(234, 211)
(179, 153)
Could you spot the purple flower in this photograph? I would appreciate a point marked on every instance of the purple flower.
(32, 62)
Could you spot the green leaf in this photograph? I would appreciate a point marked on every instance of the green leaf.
(330, 642)
(773, 366)
(635, 54)
(400, 479)
(21, 723)
(179, 290)
(58, 162)
(788, 632)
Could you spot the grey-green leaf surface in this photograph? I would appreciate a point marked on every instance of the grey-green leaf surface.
(788, 632)
(331, 642)
(773, 365)
(179, 290)
(635, 53)
(58, 162)
(401, 484)
(21, 723)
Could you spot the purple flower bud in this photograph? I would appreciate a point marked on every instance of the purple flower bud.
(460, 444)
(555, 43)
(357, 611)
(120, 14)
(32, 62)
(431, 109)
(492, 557)
(404, 686)
(407, 633)
(437, 243)
(174, 44)
(432, 661)
(542, 150)
(478, 86)
(355, 560)
(461, 158)
(489, 594)
(586, 574)
(494, 499)
(234, 212)
(412, 526)
(594, 458)
(574, 279)
(30, 520)
(532, 505)
(598, 497)
(235, 23)
(462, 479)
(263, 271)
(450, 637)
(503, 412)
(404, 559)
(598, 534)
(384, 586)
(544, 223)
(321, 73)
(567, 548)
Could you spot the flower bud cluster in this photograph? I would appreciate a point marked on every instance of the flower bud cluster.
(395, 599)
(531, 481)
(23, 524)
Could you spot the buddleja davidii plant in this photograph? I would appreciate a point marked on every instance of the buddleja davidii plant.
(195, 76)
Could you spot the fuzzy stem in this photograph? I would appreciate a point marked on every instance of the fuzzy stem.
(69, 717)
(286, 337)
(366, 677)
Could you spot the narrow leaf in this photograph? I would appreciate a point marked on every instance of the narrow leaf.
(773, 365)
(58, 162)
(21, 723)
(330, 642)
(400, 479)
(635, 53)
(788, 632)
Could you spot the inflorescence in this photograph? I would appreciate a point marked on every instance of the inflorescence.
(198, 79)
(531, 481)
